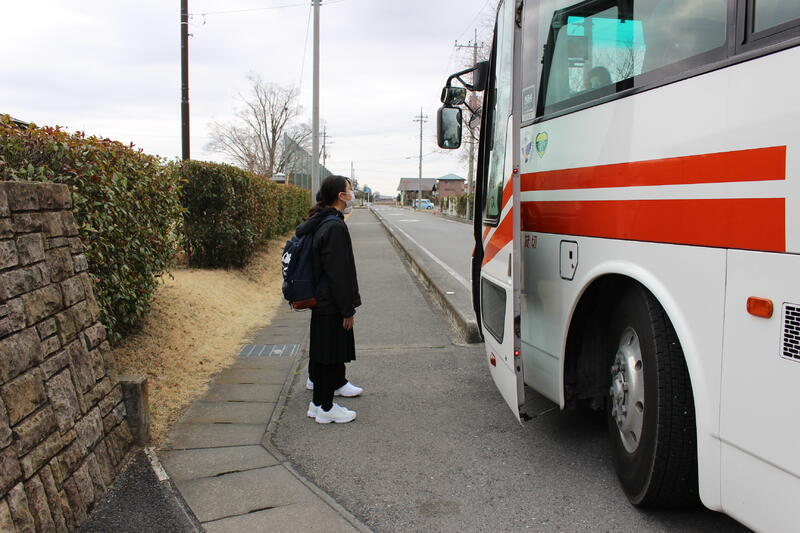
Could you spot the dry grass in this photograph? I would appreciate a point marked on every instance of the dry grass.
(198, 321)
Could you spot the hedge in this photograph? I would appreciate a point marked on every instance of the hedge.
(126, 204)
(230, 212)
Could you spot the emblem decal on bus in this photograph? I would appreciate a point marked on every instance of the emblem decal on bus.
(541, 143)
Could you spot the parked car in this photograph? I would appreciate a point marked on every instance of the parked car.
(423, 204)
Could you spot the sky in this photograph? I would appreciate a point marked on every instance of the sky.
(112, 69)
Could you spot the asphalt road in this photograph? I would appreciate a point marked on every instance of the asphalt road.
(434, 447)
(451, 242)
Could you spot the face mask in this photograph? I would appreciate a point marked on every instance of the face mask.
(349, 203)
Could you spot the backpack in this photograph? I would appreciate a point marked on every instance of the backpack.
(297, 264)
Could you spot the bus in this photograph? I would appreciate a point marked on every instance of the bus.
(637, 233)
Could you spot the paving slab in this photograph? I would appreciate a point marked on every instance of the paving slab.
(230, 392)
(284, 363)
(193, 464)
(263, 376)
(229, 412)
(188, 436)
(243, 492)
(308, 517)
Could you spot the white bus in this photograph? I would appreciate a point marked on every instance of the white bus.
(638, 232)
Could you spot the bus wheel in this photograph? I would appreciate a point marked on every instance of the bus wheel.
(650, 408)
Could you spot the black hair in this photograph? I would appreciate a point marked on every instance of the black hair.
(329, 192)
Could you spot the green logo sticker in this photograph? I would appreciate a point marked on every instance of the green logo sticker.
(541, 143)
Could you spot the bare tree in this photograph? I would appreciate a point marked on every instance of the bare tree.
(254, 139)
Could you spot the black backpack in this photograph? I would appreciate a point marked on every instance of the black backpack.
(297, 263)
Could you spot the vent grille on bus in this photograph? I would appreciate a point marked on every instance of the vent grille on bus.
(791, 332)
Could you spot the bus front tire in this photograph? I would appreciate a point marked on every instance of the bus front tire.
(650, 408)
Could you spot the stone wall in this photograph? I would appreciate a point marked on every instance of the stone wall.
(63, 431)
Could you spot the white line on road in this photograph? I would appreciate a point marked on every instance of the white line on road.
(459, 277)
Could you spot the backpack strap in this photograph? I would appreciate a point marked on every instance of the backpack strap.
(328, 218)
(322, 282)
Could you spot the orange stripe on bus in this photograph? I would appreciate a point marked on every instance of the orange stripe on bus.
(507, 192)
(746, 223)
(501, 236)
(760, 164)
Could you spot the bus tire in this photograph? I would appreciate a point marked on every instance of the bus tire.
(650, 407)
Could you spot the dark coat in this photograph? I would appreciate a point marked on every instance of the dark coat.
(333, 260)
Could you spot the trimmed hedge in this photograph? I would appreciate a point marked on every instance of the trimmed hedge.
(230, 212)
(126, 204)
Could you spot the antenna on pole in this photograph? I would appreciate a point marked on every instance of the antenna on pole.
(422, 119)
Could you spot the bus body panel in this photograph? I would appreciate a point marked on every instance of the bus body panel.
(760, 392)
(692, 189)
(688, 281)
(499, 282)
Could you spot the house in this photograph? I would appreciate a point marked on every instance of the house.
(450, 185)
(409, 189)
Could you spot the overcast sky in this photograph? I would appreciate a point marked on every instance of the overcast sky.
(112, 68)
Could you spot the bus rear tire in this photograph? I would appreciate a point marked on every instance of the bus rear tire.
(650, 407)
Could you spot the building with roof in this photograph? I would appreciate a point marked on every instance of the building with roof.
(450, 185)
(409, 188)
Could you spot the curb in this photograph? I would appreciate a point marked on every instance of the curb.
(453, 218)
(466, 327)
(163, 477)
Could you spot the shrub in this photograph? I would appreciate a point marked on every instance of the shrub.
(461, 207)
(230, 212)
(126, 205)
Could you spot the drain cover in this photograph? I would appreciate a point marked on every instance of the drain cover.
(269, 350)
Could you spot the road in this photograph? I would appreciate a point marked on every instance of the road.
(448, 242)
(435, 448)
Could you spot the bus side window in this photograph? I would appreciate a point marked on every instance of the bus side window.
(771, 13)
(600, 48)
(501, 110)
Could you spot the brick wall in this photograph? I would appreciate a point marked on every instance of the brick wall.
(62, 420)
(451, 188)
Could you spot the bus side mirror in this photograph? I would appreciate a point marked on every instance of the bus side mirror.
(448, 127)
(480, 76)
(453, 96)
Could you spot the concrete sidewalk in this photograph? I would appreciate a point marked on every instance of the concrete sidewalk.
(219, 454)
(439, 282)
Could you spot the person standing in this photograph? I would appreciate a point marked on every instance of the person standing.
(332, 343)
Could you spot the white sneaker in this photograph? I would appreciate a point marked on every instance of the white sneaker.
(337, 414)
(309, 384)
(312, 410)
(348, 390)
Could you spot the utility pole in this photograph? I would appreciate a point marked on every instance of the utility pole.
(422, 119)
(472, 102)
(315, 109)
(185, 79)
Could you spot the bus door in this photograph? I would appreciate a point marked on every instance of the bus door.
(499, 280)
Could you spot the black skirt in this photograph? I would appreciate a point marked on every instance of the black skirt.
(330, 343)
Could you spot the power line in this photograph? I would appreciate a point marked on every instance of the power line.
(472, 22)
(391, 158)
(284, 6)
(305, 47)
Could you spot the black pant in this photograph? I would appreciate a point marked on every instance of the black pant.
(326, 379)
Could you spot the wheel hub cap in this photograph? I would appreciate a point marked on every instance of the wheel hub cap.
(627, 390)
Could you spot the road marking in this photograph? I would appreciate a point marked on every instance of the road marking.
(408, 220)
(459, 278)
